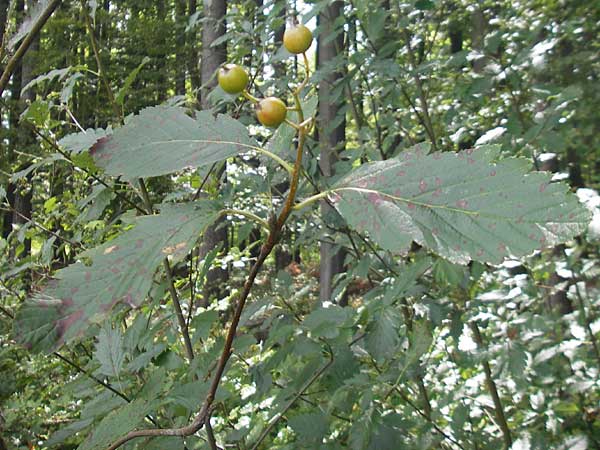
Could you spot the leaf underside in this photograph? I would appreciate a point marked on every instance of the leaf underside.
(462, 205)
(121, 272)
(162, 140)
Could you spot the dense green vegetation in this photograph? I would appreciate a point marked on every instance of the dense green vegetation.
(385, 240)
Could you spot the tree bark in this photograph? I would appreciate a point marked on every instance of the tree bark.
(331, 141)
(192, 56)
(180, 22)
(479, 26)
(213, 57)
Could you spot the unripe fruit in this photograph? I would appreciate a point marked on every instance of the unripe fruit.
(271, 111)
(297, 39)
(232, 78)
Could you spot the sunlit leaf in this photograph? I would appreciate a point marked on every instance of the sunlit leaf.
(461, 205)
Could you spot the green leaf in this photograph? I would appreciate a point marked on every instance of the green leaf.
(121, 272)
(420, 340)
(123, 420)
(461, 205)
(310, 427)
(120, 97)
(161, 140)
(69, 430)
(381, 337)
(325, 322)
(80, 142)
(109, 351)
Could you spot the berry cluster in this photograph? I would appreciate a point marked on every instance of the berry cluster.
(233, 79)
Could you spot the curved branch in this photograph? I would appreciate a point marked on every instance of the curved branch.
(275, 227)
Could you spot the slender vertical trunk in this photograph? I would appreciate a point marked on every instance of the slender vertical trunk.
(23, 137)
(6, 223)
(479, 25)
(331, 141)
(180, 22)
(192, 56)
(212, 57)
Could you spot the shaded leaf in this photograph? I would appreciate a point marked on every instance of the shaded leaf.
(162, 140)
(121, 272)
(69, 430)
(461, 205)
(381, 338)
(310, 427)
(120, 97)
(109, 351)
(126, 418)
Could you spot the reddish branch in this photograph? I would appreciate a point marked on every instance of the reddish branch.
(276, 225)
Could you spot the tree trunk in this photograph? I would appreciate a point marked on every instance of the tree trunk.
(192, 57)
(180, 22)
(331, 141)
(479, 25)
(212, 57)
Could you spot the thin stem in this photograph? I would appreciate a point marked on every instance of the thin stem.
(56, 147)
(310, 200)
(41, 227)
(293, 400)
(212, 442)
(247, 95)
(171, 285)
(499, 410)
(420, 91)
(287, 166)
(272, 239)
(248, 215)
(587, 323)
(80, 369)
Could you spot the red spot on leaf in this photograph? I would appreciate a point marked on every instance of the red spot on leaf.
(422, 185)
(375, 198)
(64, 324)
(437, 192)
(411, 206)
(401, 173)
(462, 203)
(438, 181)
(88, 276)
(502, 247)
(139, 243)
(493, 173)
(470, 160)
(543, 187)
